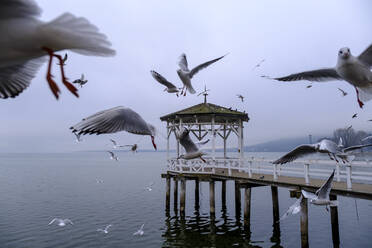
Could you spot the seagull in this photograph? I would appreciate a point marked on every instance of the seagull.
(354, 70)
(349, 127)
(78, 139)
(321, 196)
(309, 86)
(354, 115)
(104, 230)
(61, 222)
(114, 143)
(80, 81)
(140, 232)
(344, 93)
(293, 209)
(113, 156)
(149, 187)
(133, 148)
(115, 120)
(26, 40)
(258, 65)
(170, 88)
(324, 146)
(192, 150)
(186, 75)
(262, 177)
(241, 97)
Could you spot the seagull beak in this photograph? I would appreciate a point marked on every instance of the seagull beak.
(153, 142)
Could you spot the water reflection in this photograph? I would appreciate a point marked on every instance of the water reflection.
(201, 230)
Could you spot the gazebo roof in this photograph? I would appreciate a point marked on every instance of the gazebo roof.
(205, 111)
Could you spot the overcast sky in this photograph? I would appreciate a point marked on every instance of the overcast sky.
(291, 36)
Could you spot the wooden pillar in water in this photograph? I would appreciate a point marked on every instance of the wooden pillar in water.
(196, 193)
(304, 224)
(175, 194)
(212, 203)
(167, 193)
(183, 197)
(274, 195)
(247, 206)
(237, 199)
(223, 194)
(334, 223)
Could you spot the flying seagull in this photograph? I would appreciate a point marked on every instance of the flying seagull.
(293, 209)
(115, 120)
(133, 147)
(139, 232)
(192, 150)
(344, 93)
(113, 156)
(354, 70)
(104, 230)
(321, 196)
(114, 143)
(241, 97)
(329, 147)
(258, 65)
(61, 222)
(26, 40)
(81, 81)
(170, 88)
(186, 75)
(354, 115)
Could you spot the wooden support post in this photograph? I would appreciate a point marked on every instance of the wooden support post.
(237, 200)
(196, 193)
(175, 194)
(274, 195)
(247, 206)
(212, 204)
(167, 193)
(223, 194)
(334, 223)
(304, 224)
(348, 177)
(183, 197)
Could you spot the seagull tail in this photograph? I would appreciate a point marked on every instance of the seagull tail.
(77, 34)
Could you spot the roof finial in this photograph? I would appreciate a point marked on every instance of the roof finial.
(204, 93)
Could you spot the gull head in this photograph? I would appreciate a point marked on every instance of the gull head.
(344, 53)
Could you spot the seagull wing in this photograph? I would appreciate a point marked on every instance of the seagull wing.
(308, 195)
(366, 56)
(352, 148)
(293, 209)
(201, 143)
(114, 120)
(323, 192)
(162, 80)
(315, 75)
(68, 221)
(187, 143)
(142, 226)
(182, 63)
(299, 151)
(111, 153)
(16, 78)
(107, 227)
(55, 219)
(18, 9)
(113, 142)
(204, 65)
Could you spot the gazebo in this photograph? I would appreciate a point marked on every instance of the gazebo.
(206, 120)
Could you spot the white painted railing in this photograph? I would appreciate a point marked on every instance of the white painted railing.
(357, 171)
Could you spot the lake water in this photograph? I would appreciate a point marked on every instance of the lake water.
(35, 188)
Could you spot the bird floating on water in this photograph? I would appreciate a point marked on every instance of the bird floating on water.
(186, 75)
(329, 147)
(115, 120)
(321, 196)
(61, 222)
(139, 232)
(30, 40)
(354, 70)
(105, 231)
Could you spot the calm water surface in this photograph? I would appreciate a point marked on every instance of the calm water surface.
(35, 188)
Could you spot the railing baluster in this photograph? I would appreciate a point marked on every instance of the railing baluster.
(306, 171)
(338, 178)
(348, 176)
(275, 174)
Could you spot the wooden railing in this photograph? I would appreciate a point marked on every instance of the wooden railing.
(357, 171)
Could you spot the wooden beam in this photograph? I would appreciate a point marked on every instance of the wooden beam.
(183, 197)
(223, 193)
(167, 193)
(212, 204)
(237, 200)
(197, 194)
(274, 196)
(304, 224)
(247, 206)
(334, 223)
(175, 194)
